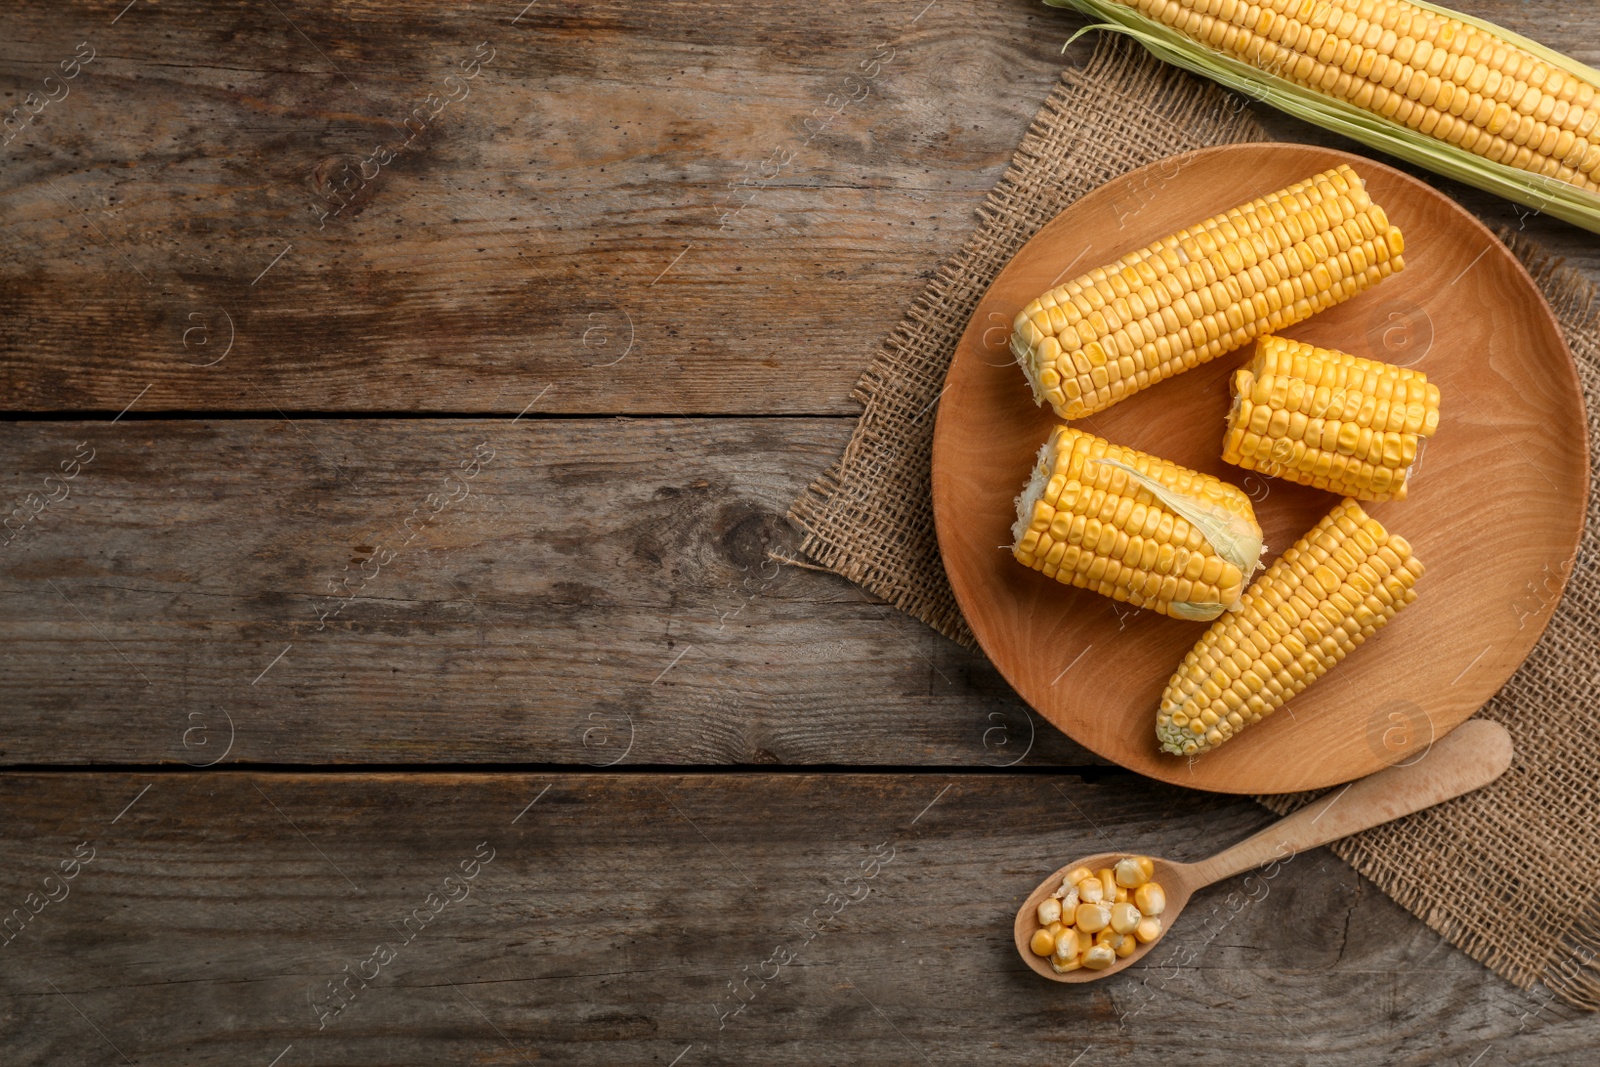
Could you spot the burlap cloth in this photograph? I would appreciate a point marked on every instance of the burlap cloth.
(1530, 843)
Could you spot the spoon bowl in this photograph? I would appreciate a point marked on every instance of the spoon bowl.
(1175, 879)
(1470, 757)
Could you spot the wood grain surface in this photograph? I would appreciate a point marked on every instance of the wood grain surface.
(1512, 431)
(625, 919)
(599, 591)
(616, 173)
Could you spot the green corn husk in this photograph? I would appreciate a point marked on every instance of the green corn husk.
(1544, 194)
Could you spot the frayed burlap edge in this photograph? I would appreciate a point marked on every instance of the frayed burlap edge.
(1121, 111)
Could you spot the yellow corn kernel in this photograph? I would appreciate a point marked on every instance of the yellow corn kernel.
(1092, 918)
(1148, 930)
(1150, 899)
(1099, 957)
(1049, 911)
(1130, 873)
(1124, 917)
(1090, 891)
(1042, 943)
(1066, 946)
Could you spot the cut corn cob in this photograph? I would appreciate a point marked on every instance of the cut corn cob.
(1204, 291)
(1136, 528)
(1330, 420)
(1337, 586)
(1459, 95)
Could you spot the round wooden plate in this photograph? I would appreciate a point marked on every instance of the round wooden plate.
(1494, 513)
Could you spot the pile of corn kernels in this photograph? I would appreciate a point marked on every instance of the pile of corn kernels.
(1099, 917)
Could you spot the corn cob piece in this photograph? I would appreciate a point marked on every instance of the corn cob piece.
(1456, 81)
(1335, 588)
(1136, 528)
(1204, 291)
(1327, 419)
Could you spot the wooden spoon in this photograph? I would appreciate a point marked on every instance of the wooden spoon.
(1473, 755)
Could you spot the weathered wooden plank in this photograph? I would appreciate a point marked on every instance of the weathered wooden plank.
(523, 232)
(595, 582)
(561, 222)
(624, 919)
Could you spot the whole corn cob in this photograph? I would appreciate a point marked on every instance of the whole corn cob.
(1335, 588)
(1204, 291)
(1421, 68)
(1459, 95)
(1327, 419)
(1136, 528)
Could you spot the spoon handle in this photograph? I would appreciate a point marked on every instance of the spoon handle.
(1473, 755)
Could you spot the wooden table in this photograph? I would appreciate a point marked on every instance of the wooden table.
(394, 660)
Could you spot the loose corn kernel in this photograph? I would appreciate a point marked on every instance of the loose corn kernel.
(1066, 967)
(1076, 875)
(1150, 899)
(1066, 946)
(1108, 886)
(1147, 931)
(1092, 918)
(1099, 957)
(1128, 947)
(1042, 943)
(1049, 911)
(1090, 891)
(1124, 917)
(1130, 873)
(1110, 937)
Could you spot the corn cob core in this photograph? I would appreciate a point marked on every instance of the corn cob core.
(1335, 588)
(1135, 527)
(1204, 291)
(1443, 77)
(1327, 419)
